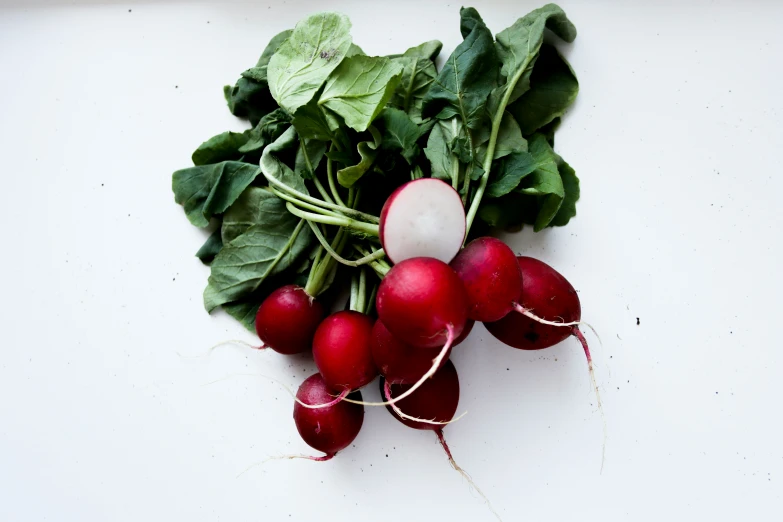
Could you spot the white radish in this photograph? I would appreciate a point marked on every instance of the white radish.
(423, 218)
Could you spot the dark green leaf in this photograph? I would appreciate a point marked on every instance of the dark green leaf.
(417, 76)
(400, 133)
(571, 186)
(245, 310)
(249, 99)
(368, 151)
(359, 88)
(467, 77)
(274, 167)
(508, 173)
(272, 47)
(308, 157)
(548, 131)
(310, 122)
(210, 248)
(544, 182)
(246, 262)
(208, 190)
(444, 164)
(553, 88)
(219, 148)
(303, 62)
(257, 74)
(268, 130)
(256, 206)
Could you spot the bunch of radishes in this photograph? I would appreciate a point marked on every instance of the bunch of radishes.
(426, 304)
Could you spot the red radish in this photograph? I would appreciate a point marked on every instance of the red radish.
(401, 363)
(491, 276)
(549, 312)
(423, 218)
(287, 319)
(436, 400)
(329, 429)
(341, 350)
(420, 300)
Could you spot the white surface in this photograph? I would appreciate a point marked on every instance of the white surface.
(676, 136)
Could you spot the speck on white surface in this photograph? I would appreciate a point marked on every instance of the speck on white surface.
(105, 410)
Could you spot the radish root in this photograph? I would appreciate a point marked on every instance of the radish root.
(323, 458)
(337, 398)
(398, 411)
(435, 365)
(578, 334)
(464, 473)
(223, 343)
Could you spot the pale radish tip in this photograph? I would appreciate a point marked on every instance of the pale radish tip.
(465, 475)
(324, 458)
(580, 336)
(398, 411)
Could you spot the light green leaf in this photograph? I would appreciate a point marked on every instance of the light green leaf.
(219, 148)
(426, 51)
(359, 88)
(368, 151)
(553, 88)
(317, 45)
(272, 166)
(208, 190)
(353, 50)
(417, 76)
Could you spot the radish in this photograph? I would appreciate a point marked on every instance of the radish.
(491, 276)
(286, 321)
(422, 218)
(549, 312)
(436, 400)
(341, 350)
(327, 429)
(401, 363)
(422, 302)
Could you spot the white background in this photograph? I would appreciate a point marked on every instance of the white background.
(676, 137)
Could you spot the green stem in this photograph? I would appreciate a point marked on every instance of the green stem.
(332, 185)
(361, 297)
(367, 228)
(321, 190)
(371, 300)
(300, 196)
(493, 138)
(320, 270)
(374, 256)
(304, 204)
(466, 184)
(454, 160)
(353, 303)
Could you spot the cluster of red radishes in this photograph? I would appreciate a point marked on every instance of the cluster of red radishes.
(426, 304)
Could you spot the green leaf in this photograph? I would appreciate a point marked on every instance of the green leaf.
(272, 47)
(553, 88)
(417, 76)
(468, 76)
(208, 190)
(245, 310)
(273, 166)
(257, 74)
(548, 131)
(509, 140)
(359, 88)
(302, 63)
(443, 163)
(247, 261)
(256, 206)
(310, 122)
(368, 151)
(544, 182)
(400, 133)
(308, 157)
(353, 50)
(508, 173)
(426, 51)
(210, 248)
(219, 148)
(518, 47)
(268, 130)
(571, 186)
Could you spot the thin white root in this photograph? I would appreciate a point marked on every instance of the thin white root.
(337, 398)
(223, 343)
(578, 334)
(398, 411)
(464, 473)
(435, 365)
(323, 458)
(527, 312)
